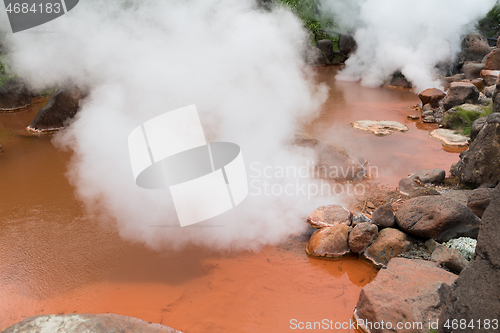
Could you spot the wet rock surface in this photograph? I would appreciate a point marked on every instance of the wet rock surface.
(327, 216)
(14, 95)
(390, 243)
(362, 236)
(481, 162)
(329, 242)
(406, 291)
(436, 217)
(314, 57)
(61, 107)
(474, 295)
(85, 323)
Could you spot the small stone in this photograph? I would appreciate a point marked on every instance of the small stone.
(430, 176)
(406, 185)
(432, 97)
(358, 217)
(449, 258)
(390, 243)
(362, 236)
(383, 216)
(423, 191)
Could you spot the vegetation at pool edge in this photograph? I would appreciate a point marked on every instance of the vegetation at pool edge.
(462, 119)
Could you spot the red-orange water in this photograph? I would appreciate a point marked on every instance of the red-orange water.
(55, 258)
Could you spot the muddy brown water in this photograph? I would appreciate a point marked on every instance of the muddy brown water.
(55, 258)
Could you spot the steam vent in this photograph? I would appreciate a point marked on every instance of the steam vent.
(211, 166)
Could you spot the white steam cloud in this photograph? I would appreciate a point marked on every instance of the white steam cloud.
(241, 65)
(409, 36)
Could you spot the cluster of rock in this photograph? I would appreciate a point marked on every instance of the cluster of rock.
(444, 223)
(323, 54)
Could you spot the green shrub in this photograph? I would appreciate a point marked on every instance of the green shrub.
(462, 120)
(320, 25)
(490, 24)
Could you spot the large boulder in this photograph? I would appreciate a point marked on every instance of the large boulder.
(328, 216)
(14, 95)
(481, 162)
(347, 45)
(326, 46)
(409, 292)
(383, 216)
(472, 70)
(493, 60)
(475, 294)
(315, 57)
(390, 243)
(61, 107)
(437, 217)
(362, 236)
(329, 242)
(432, 96)
(475, 47)
(460, 93)
(84, 323)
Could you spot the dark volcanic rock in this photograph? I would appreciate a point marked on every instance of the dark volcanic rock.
(347, 44)
(475, 47)
(330, 242)
(61, 107)
(84, 323)
(481, 162)
(423, 191)
(362, 236)
(408, 291)
(314, 57)
(477, 126)
(383, 216)
(390, 243)
(475, 294)
(326, 46)
(14, 95)
(437, 217)
(479, 200)
(460, 93)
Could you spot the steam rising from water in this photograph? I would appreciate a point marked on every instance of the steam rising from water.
(407, 36)
(243, 68)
